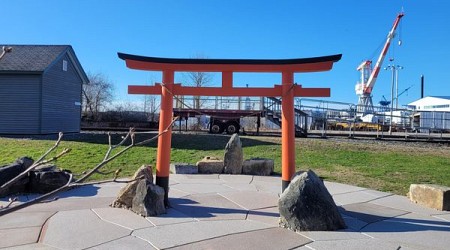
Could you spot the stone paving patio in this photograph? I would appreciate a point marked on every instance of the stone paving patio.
(221, 212)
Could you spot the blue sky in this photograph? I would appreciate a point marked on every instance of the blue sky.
(98, 29)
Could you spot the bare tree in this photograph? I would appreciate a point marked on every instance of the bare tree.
(199, 79)
(151, 106)
(96, 94)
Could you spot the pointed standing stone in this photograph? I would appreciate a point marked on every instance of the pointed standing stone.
(233, 156)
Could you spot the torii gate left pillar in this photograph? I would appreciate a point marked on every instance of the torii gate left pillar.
(287, 91)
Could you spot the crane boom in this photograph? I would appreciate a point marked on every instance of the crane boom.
(369, 76)
(373, 77)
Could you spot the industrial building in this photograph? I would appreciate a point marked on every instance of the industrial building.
(432, 113)
(40, 89)
(431, 103)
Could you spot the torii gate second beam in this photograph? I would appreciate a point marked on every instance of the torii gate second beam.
(288, 90)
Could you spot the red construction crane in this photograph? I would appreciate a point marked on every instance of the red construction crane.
(369, 76)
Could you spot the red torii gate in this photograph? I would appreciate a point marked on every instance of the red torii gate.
(287, 90)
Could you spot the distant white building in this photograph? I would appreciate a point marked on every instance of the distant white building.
(431, 103)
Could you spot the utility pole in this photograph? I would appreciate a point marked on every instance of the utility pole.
(396, 85)
(394, 69)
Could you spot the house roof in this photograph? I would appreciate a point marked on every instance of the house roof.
(427, 98)
(441, 97)
(36, 58)
(30, 58)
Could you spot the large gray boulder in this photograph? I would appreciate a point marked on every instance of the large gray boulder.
(126, 194)
(306, 205)
(9, 172)
(233, 158)
(149, 199)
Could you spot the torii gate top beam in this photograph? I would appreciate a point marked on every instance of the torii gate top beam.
(313, 64)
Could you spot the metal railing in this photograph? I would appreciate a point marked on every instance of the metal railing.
(330, 115)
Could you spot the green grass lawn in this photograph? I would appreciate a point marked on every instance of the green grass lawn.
(390, 167)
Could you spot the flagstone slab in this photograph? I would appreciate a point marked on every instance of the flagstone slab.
(377, 194)
(241, 186)
(353, 197)
(69, 204)
(333, 235)
(24, 219)
(427, 222)
(122, 217)
(172, 216)
(445, 217)
(80, 229)
(202, 176)
(403, 203)
(19, 236)
(198, 188)
(355, 244)
(199, 179)
(91, 191)
(274, 179)
(20, 199)
(185, 233)
(175, 193)
(339, 188)
(412, 230)
(34, 246)
(265, 239)
(229, 178)
(252, 200)
(353, 224)
(370, 213)
(128, 242)
(209, 207)
(268, 187)
(269, 215)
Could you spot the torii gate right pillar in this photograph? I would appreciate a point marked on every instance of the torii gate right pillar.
(288, 129)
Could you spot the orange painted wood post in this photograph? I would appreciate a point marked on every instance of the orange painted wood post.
(165, 140)
(287, 130)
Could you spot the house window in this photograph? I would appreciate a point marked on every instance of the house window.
(64, 65)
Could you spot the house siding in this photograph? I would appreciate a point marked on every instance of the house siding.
(20, 98)
(61, 90)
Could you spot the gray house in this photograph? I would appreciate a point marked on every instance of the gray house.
(40, 89)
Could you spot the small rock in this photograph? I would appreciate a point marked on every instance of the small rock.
(306, 205)
(233, 158)
(210, 165)
(44, 181)
(258, 166)
(149, 199)
(183, 168)
(127, 193)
